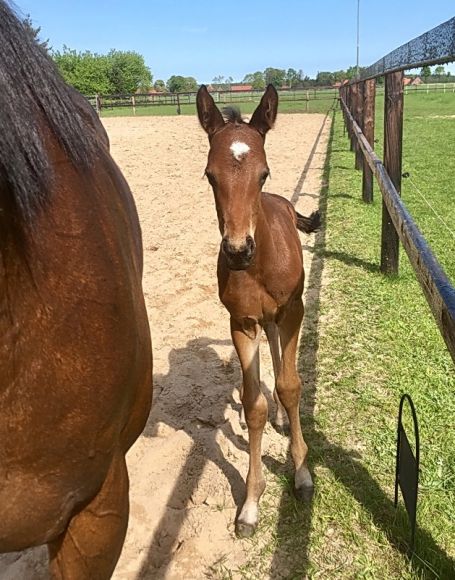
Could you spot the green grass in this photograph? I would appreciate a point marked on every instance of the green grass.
(367, 339)
(428, 146)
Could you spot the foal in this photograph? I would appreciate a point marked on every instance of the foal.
(260, 279)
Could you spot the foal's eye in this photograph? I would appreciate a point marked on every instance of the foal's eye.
(264, 177)
(211, 178)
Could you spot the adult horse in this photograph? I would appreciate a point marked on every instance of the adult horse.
(260, 279)
(75, 354)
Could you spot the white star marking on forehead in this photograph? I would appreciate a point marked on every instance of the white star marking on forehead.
(239, 149)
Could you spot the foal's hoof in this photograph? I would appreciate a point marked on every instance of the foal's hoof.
(244, 530)
(304, 493)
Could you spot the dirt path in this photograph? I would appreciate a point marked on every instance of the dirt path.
(187, 471)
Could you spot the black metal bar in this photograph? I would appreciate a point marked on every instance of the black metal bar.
(437, 46)
(407, 467)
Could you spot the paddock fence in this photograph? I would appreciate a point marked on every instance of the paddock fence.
(222, 97)
(357, 99)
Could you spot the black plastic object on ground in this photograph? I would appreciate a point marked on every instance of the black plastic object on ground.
(407, 468)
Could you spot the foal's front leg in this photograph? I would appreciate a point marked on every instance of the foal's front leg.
(255, 405)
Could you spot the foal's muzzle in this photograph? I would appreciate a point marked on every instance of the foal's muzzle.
(239, 258)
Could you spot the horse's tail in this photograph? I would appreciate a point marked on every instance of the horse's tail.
(308, 224)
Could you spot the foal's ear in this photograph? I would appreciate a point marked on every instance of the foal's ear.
(209, 115)
(264, 116)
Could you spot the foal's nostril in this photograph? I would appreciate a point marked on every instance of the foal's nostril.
(250, 246)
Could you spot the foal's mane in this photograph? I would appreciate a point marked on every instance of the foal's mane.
(233, 115)
(32, 92)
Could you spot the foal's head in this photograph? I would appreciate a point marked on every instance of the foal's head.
(237, 170)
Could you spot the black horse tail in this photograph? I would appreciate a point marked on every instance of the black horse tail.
(308, 224)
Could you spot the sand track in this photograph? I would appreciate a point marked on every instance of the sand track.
(187, 470)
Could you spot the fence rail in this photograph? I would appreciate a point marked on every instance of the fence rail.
(437, 46)
(357, 102)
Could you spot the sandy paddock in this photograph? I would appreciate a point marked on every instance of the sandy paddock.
(187, 470)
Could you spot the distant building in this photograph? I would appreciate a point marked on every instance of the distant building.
(412, 81)
(241, 87)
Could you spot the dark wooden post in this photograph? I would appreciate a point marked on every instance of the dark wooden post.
(352, 109)
(178, 105)
(369, 94)
(393, 136)
(358, 115)
(341, 96)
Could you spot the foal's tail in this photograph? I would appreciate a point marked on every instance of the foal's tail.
(308, 224)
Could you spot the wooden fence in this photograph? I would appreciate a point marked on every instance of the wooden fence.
(436, 46)
(176, 100)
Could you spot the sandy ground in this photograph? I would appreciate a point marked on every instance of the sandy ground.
(187, 470)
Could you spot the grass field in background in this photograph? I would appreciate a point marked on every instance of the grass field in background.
(367, 339)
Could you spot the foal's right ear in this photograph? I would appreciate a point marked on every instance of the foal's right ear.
(209, 115)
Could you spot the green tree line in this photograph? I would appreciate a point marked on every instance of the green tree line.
(118, 72)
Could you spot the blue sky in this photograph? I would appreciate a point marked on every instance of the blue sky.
(208, 38)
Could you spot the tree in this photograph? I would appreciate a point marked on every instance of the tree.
(425, 73)
(179, 84)
(176, 84)
(113, 73)
(128, 72)
(191, 84)
(85, 71)
(35, 33)
(160, 86)
(275, 77)
(256, 80)
(324, 79)
(294, 79)
(439, 71)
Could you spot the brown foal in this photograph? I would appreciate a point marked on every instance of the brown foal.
(260, 279)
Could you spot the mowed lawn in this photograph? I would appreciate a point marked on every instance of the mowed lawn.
(367, 339)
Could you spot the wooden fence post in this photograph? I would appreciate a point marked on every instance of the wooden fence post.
(393, 136)
(369, 94)
(133, 103)
(358, 115)
(179, 110)
(352, 109)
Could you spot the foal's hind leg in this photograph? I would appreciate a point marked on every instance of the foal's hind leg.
(273, 337)
(255, 405)
(91, 545)
(289, 390)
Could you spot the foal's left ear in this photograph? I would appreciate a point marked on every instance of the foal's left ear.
(209, 115)
(264, 116)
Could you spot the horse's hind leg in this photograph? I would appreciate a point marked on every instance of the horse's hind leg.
(289, 390)
(91, 545)
(273, 337)
(255, 405)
